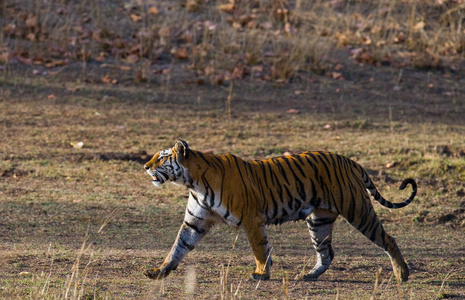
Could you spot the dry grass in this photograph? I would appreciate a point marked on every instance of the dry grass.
(267, 40)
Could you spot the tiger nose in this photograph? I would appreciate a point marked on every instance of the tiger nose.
(146, 167)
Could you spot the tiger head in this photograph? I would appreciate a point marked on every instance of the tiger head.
(167, 165)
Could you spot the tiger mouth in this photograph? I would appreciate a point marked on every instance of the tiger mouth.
(156, 179)
(159, 178)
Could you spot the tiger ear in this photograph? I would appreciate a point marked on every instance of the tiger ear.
(182, 148)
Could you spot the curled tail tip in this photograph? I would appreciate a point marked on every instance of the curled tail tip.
(407, 181)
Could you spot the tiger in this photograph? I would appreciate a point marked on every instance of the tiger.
(314, 186)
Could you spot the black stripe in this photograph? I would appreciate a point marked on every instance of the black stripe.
(197, 200)
(320, 221)
(195, 228)
(192, 214)
(204, 159)
(296, 157)
(185, 245)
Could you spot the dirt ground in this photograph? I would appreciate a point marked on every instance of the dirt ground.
(56, 198)
(80, 218)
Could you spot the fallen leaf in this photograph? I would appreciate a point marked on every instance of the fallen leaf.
(337, 75)
(292, 111)
(229, 7)
(55, 63)
(133, 58)
(209, 70)
(400, 38)
(135, 18)
(77, 145)
(31, 21)
(257, 69)
(4, 57)
(164, 32)
(419, 25)
(153, 10)
(391, 164)
(181, 53)
(51, 96)
(192, 5)
(106, 79)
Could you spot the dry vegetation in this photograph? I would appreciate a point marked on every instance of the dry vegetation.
(90, 89)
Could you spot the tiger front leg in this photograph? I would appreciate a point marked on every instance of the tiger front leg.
(256, 235)
(191, 232)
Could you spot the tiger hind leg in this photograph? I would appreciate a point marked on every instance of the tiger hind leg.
(320, 224)
(375, 232)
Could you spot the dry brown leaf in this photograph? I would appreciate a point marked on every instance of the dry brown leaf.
(153, 10)
(229, 7)
(192, 5)
(181, 53)
(391, 164)
(31, 36)
(9, 29)
(209, 70)
(4, 57)
(24, 60)
(106, 79)
(338, 67)
(337, 75)
(164, 31)
(31, 21)
(292, 111)
(236, 25)
(257, 69)
(135, 18)
(419, 25)
(56, 63)
(238, 72)
(133, 58)
(400, 38)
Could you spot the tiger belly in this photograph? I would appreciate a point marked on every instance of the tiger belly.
(283, 215)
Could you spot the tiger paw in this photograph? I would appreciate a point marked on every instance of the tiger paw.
(309, 277)
(155, 273)
(401, 274)
(259, 276)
